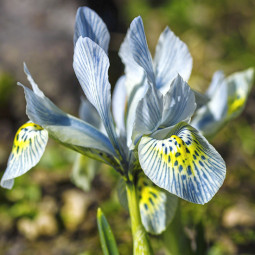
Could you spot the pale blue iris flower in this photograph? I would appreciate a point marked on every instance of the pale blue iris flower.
(226, 100)
(144, 126)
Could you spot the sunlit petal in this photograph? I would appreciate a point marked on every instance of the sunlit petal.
(239, 86)
(68, 130)
(217, 80)
(184, 164)
(91, 66)
(157, 206)
(172, 57)
(131, 111)
(119, 104)
(148, 114)
(201, 99)
(28, 147)
(228, 99)
(139, 48)
(179, 103)
(89, 114)
(133, 72)
(89, 24)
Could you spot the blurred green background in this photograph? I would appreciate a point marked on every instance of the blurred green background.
(45, 213)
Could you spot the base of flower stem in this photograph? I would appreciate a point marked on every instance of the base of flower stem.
(141, 243)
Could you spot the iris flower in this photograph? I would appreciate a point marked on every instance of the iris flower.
(227, 97)
(144, 127)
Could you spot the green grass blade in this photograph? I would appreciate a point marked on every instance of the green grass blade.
(107, 239)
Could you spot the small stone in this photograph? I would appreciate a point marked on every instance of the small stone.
(74, 209)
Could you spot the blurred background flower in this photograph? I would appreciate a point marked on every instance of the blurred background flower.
(39, 216)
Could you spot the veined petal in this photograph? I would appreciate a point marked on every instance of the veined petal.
(205, 122)
(91, 66)
(172, 57)
(68, 130)
(179, 103)
(217, 80)
(28, 147)
(119, 103)
(229, 96)
(239, 86)
(148, 114)
(134, 73)
(184, 164)
(35, 87)
(157, 206)
(89, 114)
(139, 48)
(89, 24)
(131, 111)
(210, 118)
(201, 99)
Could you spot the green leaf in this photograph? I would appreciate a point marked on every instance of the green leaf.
(107, 239)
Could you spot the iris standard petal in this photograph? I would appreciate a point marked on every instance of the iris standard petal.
(28, 147)
(210, 117)
(139, 48)
(91, 66)
(134, 73)
(89, 24)
(217, 80)
(184, 164)
(68, 130)
(179, 103)
(148, 114)
(157, 206)
(172, 57)
(119, 104)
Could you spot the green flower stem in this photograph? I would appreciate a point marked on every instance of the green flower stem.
(141, 243)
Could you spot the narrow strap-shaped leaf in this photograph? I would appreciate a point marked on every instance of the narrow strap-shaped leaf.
(157, 206)
(172, 57)
(68, 130)
(28, 147)
(184, 164)
(89, 24)
(107, 239)
(139, 48)
(91, 66)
